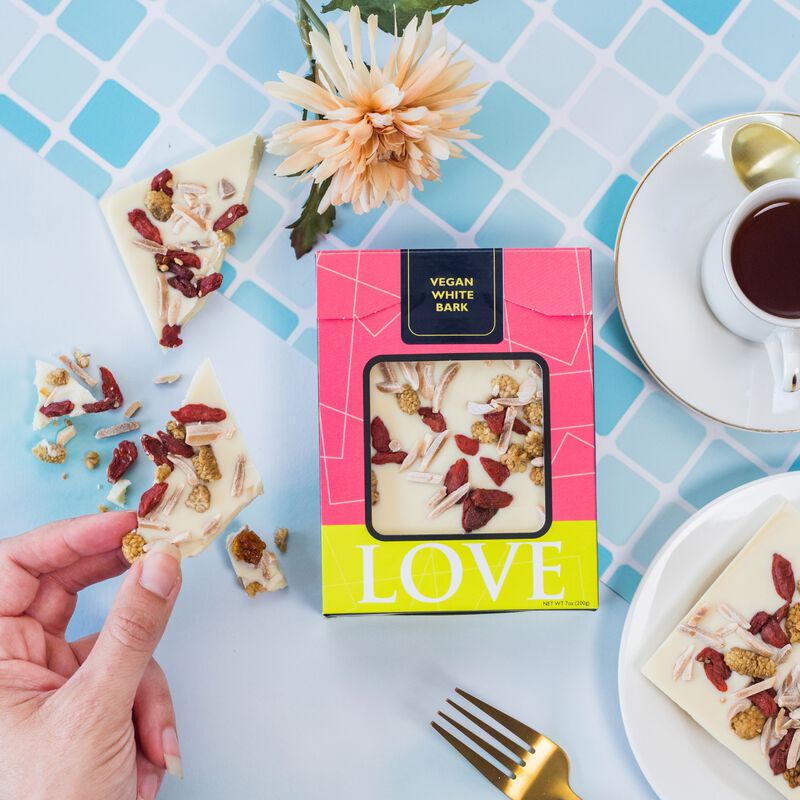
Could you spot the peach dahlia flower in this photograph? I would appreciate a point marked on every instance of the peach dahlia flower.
(380, 130)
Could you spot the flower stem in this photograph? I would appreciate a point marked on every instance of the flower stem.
(314, 18)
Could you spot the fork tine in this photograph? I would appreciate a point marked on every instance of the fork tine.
(509, 744)
(488, 770)
(514, 725)
(498, 755)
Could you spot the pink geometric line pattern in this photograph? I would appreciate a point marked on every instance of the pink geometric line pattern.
(547, 303)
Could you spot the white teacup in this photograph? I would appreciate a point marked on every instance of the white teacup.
(780, 336)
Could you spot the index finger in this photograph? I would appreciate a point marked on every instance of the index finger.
(53, 547)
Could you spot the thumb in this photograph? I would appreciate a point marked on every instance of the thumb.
(134, 625)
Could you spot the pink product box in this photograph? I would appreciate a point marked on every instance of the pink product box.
(456, 430)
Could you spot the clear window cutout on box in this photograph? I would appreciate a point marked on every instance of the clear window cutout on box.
(457, 447)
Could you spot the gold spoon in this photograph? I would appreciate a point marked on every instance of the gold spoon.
(762, 152)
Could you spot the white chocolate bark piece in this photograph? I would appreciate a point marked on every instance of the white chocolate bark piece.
(266, 576)
(46, 393)
(191, 529)
(118, 492)
(744, 588)
(403, 506)
(236, 163)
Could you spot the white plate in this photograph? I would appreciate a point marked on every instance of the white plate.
(661, 239)
(678, 758)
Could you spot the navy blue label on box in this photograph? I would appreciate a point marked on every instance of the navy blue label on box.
(452, 296)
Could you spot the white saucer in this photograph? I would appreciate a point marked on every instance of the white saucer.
(663, 234)
(678, 758)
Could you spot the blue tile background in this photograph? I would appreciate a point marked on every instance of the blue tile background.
(581, 98)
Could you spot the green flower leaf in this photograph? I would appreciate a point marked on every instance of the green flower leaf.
(401, 10)
(311, 225)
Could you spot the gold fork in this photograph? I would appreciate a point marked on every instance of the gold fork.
(539, 771)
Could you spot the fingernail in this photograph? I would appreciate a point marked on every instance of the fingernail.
(148, 788)
(172, 752)
(160, 569)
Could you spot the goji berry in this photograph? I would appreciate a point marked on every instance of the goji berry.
(495, 470)
(390, 458)
(171, 336)
(110, 387)
(160, 182)
(199, 412)
(773, 634)
(178, 258)
(433, 419)
(456, 476)
(125, 453)
(151, 498)
(57, 409)
(495, 421)
(227, 218)
(143, 226)
(779, 753)
(490, 498)
(466, 444)
(181, 272)
(473, 517)
(155, 450)
(717, 671)
(781, 614)
(783, 577)
(521, 427)
(185, 287)
(759, 621)
(175, 446)
(106, 404)
(380, 435)
(209, 283)
(765, 702)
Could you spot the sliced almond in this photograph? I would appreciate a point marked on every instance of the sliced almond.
(527, 390)
(737, 708)
(732, 615)
(793, 756)
(756, 644)
(395, 446)
(389, 388)
(78, 372)
(387, 370)
(186, 467)
(426, 381)
(66, 434)
(767, 735)
(172, 500)
(701, 635)
(151, 247)
(436, 497)
(409, 374)
(116, 430)
(151, 524)
(682, 660)
(132, 409)
(479, 409)
(444, 382)
(507, 429)
(225, 189)
(163, 296)
(237, 482)
(434, 447)
(512, 363)
(192, 188)
(448, 501)
(200, 433)
(413, 454)
(196, 219)
(212, 525)
(231, 432)
(761, 686)
(425, 477)
(171, 378)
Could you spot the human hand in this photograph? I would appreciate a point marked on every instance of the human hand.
(91, 719)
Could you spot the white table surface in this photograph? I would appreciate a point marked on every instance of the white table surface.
(274, 700)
